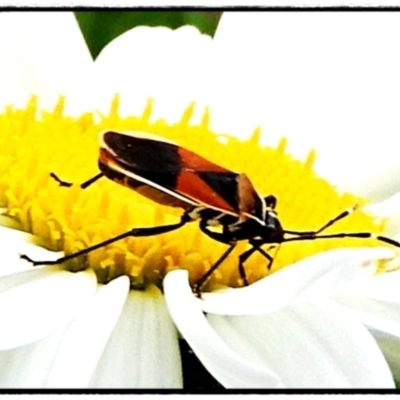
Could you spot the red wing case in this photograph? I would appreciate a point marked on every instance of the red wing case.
(172, 175)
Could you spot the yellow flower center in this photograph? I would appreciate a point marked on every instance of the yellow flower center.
(71, 219)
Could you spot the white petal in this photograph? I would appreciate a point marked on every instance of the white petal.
(375, 302)
(230, 369)
(376, 314)
(378, 183)
(390, 210)
(38, 302)
(143, 350)
(390, 345)
(309, 346)
(315, 277)
(15, 243)
(86, 339)
(384, 286)
(161, 63)
(43, 54)
(28, 366)
(11, 234)
(336, 90)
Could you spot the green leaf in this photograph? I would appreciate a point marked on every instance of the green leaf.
(100, 27)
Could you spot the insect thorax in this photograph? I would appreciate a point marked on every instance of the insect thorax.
(212, 217)
(238, 228)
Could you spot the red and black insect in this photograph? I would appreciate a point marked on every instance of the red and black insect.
(215, 196)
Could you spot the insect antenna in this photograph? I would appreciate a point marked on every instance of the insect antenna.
(329, 223)
(362, 235)
(313, 235)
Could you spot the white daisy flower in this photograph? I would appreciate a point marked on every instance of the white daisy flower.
(118, 317)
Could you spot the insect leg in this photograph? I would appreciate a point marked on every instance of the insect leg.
(156, 230)
(329, 223)
(220, 237)
(83, 185)
(242, 258)
(267, 256)
(198, 286)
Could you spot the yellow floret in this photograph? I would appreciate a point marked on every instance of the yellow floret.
(71, 219)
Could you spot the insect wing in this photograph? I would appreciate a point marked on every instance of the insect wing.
(176, 172)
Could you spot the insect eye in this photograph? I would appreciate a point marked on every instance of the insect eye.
(270, 201)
